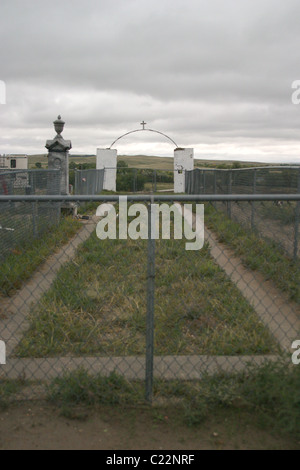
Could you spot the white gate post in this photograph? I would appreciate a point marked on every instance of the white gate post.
(107, 160)
(183, 160)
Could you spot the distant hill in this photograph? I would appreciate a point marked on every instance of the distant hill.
(145, 161)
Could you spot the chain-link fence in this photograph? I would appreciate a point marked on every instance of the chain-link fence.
(260, 180)
(112, 297)
(134, 180)
(144, 179)
(21, 224)
(88, 181)
(277, 220)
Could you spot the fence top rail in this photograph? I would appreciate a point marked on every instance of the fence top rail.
(152, 197)
(5, 171)
(135, 168)
(292, 167)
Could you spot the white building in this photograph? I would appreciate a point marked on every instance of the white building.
(13, 162)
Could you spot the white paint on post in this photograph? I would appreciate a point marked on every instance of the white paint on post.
(183, 161)
(107, 160)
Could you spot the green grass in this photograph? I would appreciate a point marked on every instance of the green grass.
(270, 392)
(97, 305)
(8, 390)
(90, 207)
(81, 388)
(263, 255)
(24, 259)
(159, 186)
(285, 215)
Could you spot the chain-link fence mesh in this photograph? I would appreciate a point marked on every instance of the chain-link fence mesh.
(88, 181)
(260, 180)
(278, 221)
(144, 179)
(147, 309)
(21, 224)
(133, 180)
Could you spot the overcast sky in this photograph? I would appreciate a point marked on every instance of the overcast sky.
(215, 75)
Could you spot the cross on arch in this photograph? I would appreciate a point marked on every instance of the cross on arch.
(143, 124)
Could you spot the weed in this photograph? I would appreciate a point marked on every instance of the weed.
(81, 388)
(270, 393)
(8, 388)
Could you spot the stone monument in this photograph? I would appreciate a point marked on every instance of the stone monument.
(58, 159)
(58, 155)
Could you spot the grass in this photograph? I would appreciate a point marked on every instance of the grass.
(8, 390)
(24, 259)
(90, 207)
(285, 215)
(159, 186)
(81, 388)
(97, 305)
(270, 392)
(263, 255)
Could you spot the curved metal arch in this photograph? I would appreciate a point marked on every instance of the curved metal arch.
(141, 130)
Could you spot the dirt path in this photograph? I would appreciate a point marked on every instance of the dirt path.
(38, 426)
(273, 307)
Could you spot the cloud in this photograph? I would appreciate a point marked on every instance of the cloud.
(209, 73)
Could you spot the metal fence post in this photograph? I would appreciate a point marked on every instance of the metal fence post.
(150, 305)
(253, 203)
(76, 185)
(34, 219)
(229, 192)
(215, 187)
(135, 180)
(215, 182)
(34, 205)
(297, 217)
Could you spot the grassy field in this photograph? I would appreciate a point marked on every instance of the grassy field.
(97, 305)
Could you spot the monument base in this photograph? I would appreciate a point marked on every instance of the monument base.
(69, 208)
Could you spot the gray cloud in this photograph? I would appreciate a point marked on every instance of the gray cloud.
(210, 73)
